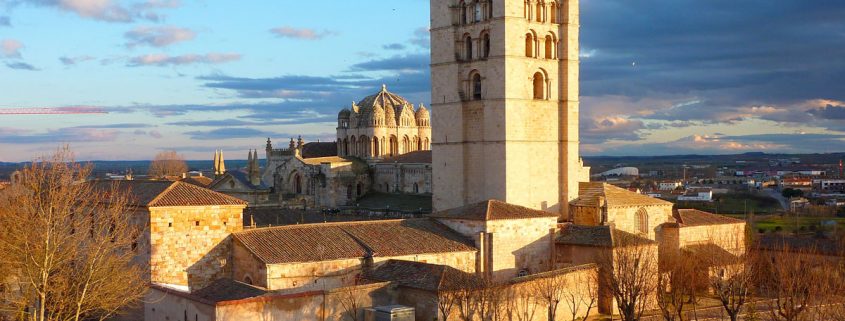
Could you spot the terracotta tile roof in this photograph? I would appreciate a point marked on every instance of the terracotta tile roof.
(601, 236)
(423, 276)
(691, 217)
(491, 210)
(200, 181)
(241, 177)
(319, 149)
(417, 157)
(167, 193)
(334, 241)
(711, 253)
(590, 193)
(228, 290)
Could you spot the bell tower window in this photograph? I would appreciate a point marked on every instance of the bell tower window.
(476, 86)
(468, 48)
(529, 45)
(539, 86)
(485, 45)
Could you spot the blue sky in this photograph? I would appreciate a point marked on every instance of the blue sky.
(658, 76)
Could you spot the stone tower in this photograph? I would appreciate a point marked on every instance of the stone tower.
(505, 101)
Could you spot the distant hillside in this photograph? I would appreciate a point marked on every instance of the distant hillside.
(137, 167)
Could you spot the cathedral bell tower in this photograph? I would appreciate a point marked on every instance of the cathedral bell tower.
(505, 101)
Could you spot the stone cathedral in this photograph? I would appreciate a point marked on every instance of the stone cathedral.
(512, 200)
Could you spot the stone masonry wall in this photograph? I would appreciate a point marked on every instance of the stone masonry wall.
(191, 246)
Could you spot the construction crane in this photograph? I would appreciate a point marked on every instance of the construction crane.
(52, 111)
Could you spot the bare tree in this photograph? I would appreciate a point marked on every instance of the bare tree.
(167, 163)
(794, 280)
(733, 283)
(68, 245)
(629, 272)
(351, 301)
(466, 300)
(549, 291)
(583, 294)
(445, 302)
(675, 286)
(525, 305)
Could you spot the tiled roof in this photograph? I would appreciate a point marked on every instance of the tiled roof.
(691, 217)
(330, 159)
(200, 181)
(602, 236)
(423, 276)
(492, 210)
(228, 290)
(166, 193)
(241, 177)
(589, 194)
(334, 241)
(417, 157)
(319, 149)
(712, 253)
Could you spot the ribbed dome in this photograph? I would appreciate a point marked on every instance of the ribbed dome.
(390, 117)
(422, 113)
(344, 114)
(383, 99)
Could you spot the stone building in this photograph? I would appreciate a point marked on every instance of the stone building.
(382, 125)
(512, 200)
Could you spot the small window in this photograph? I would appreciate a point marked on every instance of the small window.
(468, 48)
(478, 12)
(529, 45)
(476, 86)
(486, 45)
(539, 86)
(170, 224)
(197, 223)
(522, 273)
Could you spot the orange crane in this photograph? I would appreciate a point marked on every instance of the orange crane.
(52, 110)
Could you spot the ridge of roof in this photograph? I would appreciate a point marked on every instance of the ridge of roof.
(160, 195)
(590, 192)
(694, 217)
(491, 210)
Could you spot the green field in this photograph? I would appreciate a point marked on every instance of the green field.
(737, 203)
(788, 223)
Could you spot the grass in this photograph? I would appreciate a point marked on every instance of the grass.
(735, 203)
(788, 223)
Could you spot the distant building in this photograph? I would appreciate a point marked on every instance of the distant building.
(669, 186)
(697, 195)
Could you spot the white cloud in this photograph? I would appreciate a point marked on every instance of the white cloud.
(110, 10)
(167, 60)
(11, 48)
(158, 36)
(300, 33)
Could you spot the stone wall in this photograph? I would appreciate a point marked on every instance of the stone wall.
(624, 218)
(163, 305)
(730, 237)
(520, 245)
(402, 178)
(312, 276)
(191, 245)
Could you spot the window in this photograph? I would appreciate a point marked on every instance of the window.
(485, 46)
(539, 84)
(349, 192)
(478, 12)
(248, 280)
(529, 45)
(522, 273)
(416, 188)
(490, 9)
(196, 223)
(463, 13)
(468, 48)
(476, 86)
(549, 47)
(539, 15)
(360, 189)
(297, 184)
(642, 221)
(553, 16)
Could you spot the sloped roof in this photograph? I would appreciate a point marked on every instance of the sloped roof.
(692, 217)
(334, 241)
(228, 290)
(200, 181)
(601, 236)
(319, 149)
(491, 210)
(241, 177)
(589, 194)
(167, 193)
(423, 276)
(329, 159)
(711, 253)
(416, 157)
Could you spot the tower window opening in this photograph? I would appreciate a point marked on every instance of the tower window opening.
(463, 13)
(478, 12)
(642, 221)
(539, 84)
(476, 86)
(549, 47)
(468, 47)
(539, 15)
(529, 45)
(486, 45)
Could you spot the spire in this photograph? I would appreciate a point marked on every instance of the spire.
(249, 162)
(217, 163)
(222, 166)
(269, 144)
(292, 144)
(255, 174)
(383, 87)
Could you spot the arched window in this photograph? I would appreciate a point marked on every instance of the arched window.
(360, 189)
(529, 45)
(419, 143)
(539, 86)
(248, 280)
(490, 9)
(345, 147)
(297, 184)
(642, 221)
(476, 86)
(478, 12)
(354, 146)
(539, 14)
(394, 146)
(363, 146)
(406, 144)
(376, 151)
(485, 45)
(553, 15)
(549, 47)
(463, 13)
(468, 48)
(526, 10)
(416, 188)
(387, 187)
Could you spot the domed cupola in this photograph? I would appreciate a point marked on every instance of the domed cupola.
(422, 115)
(344, 114)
